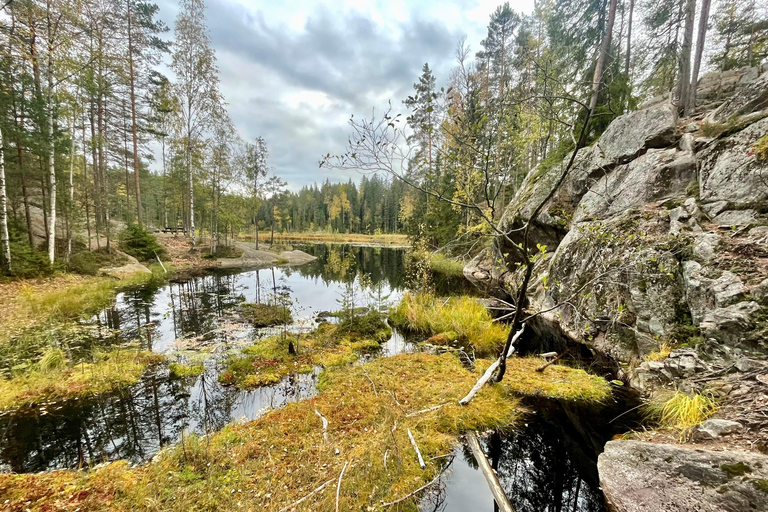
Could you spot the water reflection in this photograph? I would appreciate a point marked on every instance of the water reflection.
(538, 469)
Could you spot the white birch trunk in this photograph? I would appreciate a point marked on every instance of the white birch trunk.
(4, 239)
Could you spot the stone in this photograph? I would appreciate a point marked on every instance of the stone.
(730, 172)
(729, 324)
(714, 428)
(627, 135)
(659, 173)
(687, 141)
(728, 289)
(675, 227)
(705, 246)
(751, 98)
(760, 292)
(749, 76)
(730, 218)
(713, 209)
(640, 477)
(679, 214)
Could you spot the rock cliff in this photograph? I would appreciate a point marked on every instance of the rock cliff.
(658, 239)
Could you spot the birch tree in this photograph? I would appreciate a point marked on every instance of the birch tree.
(196, 87)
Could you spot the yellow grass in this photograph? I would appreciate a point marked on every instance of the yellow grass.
(464, 316)
(681, 411)
(54, 378)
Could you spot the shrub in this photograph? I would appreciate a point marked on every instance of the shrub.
(89, 262)
(141, 244)
(30, 262)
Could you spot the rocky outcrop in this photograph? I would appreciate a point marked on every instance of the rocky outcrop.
(131, 267)
(639, 477)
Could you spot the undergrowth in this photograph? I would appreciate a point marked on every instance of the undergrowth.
(680, 411)
(466, 317)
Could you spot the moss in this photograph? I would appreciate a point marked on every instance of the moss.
(465, 316)
(734, 470)
(64, 380)
(265, 315)
(282, 261)
(556, 382)
(272, 462)
(180, 371)
(761, 484)
(760, 149)
(270, 360)
(440, 264)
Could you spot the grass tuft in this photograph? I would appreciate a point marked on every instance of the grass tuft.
(265, 315)
(466, 317)
(440, 264)
(681, 411)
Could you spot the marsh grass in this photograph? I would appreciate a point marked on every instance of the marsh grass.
(272, 462)
(664, 350)
(463, 316)
(55, 378)
(441, 264)
(265, 315)
(270, 360)
(556, 382)
(680, 411)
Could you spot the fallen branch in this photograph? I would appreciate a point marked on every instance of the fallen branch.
(325, 425)
(547, 365)
(487, 375)
(490, 476)
(410, 494)
(297, 503)
(547, 355)
(415, 447)
(430, 409)
(160, 262)
(338, 486)
(372, 384)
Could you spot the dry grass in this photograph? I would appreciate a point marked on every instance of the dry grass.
(681, 411)
(440, 264)
(269, 360)
(272, 462)
(556, 382)
(664, 350)
(54, 378)
(464, 316)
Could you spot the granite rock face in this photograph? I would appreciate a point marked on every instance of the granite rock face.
(639, 477)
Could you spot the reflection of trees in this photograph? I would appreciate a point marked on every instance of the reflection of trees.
(344, 263)
(540, 473)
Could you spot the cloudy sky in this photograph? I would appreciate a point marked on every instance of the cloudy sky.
(294, 71)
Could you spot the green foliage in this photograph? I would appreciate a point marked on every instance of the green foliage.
(180, 371)
(30, 262)
(441, 264)
(141, 244)
(370, 325)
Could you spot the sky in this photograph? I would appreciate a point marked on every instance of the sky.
(294, 71)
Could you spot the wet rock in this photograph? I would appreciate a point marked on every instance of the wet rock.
(657, 174)
(714, 428)
(640, 477)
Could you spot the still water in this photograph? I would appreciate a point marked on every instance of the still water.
(538, 466)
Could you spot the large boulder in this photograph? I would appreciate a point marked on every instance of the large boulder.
(628, 135)
(731, 172)
(640, 477)
(659, 173)
(752, 96)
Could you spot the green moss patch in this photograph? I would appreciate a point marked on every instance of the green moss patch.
(265, 315)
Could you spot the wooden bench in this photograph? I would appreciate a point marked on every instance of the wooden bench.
(169, 229)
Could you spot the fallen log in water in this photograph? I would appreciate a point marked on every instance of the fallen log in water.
(488, 473)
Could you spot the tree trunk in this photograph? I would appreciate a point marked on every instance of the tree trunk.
(96, 188)
(629, 39)
(602, 57)
(51, 150)
(684, 80)
(703, 21)
(5, 243)
(191, 192)
(133, 116)
(71, 205)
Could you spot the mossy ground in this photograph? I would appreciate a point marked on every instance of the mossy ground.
(54, 377)
(463, 316)
(265, 315)
(270, 360)
(556, 382)
(270, 463)
(440, 264)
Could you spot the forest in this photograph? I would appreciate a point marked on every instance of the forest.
(110, 118)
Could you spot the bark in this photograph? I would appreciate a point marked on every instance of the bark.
(703, 21)
(132, 77)
(71, 205)
(602, 57)
(684, 80)
(629, 38)
(5, 243)
(51, 150)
